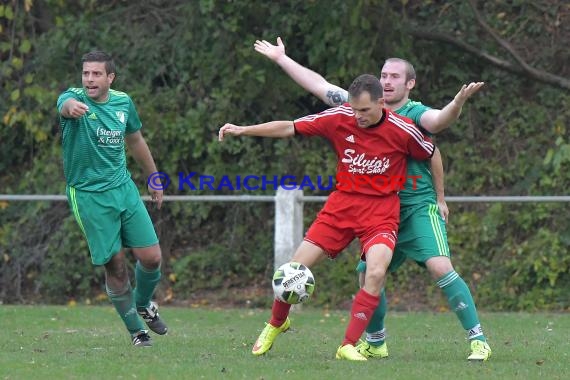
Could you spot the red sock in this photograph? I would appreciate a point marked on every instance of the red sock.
(279, 313)
(363, 307)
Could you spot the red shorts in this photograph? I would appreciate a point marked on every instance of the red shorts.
(371, 219)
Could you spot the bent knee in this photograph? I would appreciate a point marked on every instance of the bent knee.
(375, 274)
(152, 262)
(149, 257)
(439, 266)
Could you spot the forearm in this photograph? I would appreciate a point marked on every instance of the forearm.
(437, 174)
(437, 120)
(141, 153)
(448, 115)
(66, 108)
(311, 81)
(276, 129)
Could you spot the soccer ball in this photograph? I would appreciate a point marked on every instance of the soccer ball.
(293, 283)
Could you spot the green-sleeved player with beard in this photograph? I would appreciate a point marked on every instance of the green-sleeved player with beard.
(422, 235)
(96, 124)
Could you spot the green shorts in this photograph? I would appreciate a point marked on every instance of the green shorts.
(421, 236)
(111, 220)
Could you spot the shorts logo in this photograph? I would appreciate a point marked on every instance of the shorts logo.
(360, 316)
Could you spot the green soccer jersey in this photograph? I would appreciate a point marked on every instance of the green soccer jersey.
(422, 191)
(94, 156)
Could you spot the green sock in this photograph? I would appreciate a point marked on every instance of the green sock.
(461, 302)
(147, 280)
(124, 303)
(375, 332)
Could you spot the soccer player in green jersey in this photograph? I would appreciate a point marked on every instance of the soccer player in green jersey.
(422, 235)
(96, 123)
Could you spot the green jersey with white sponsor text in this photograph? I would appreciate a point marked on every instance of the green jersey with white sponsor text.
(94, 157)
(419, 185)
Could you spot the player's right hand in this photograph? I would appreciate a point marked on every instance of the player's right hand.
(229, 129)
(156, 196)
(77, 109)
(269, 50)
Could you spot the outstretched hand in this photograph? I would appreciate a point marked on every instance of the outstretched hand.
(229, 129)
(467, 90)
(269, 50)
(76, 109)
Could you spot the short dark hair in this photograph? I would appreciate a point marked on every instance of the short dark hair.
(100, 56)
(366, 83)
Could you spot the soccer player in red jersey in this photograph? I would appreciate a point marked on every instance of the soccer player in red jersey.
(422, 233)
(369, 141)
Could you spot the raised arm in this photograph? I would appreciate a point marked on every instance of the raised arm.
(304, 77)
(438, 183)
(437, 120)
(272, 129)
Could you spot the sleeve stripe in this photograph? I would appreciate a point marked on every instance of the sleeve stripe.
(405, 125)
(414, 132)
(342, 110)
(118, 93)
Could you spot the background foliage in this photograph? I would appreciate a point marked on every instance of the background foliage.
(191, 67)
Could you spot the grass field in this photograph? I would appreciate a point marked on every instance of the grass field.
(89, 342)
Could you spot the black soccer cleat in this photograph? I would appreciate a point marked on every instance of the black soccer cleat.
(152, 318)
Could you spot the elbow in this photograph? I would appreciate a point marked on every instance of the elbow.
(436, 127)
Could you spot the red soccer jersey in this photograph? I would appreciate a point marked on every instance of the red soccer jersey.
(371, 160)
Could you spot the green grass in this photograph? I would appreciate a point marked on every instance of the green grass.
(89, 342)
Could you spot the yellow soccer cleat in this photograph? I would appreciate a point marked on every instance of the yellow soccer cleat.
(367, 350)
(267, 336)
(349, 352)
(480, 351)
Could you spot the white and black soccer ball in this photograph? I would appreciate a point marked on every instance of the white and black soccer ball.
(293, 283)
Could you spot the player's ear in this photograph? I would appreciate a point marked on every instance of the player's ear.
(111, 77)
(410, 84)
(381, 102)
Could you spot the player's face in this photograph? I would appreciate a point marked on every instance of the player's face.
(96, 81)
(366, 111)
(394, 84)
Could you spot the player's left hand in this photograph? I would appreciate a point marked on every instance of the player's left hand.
(443, 210)
(467, 90)
(156, 196)
(273, 52)
(229, 129)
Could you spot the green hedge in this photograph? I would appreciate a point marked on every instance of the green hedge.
(190, 67)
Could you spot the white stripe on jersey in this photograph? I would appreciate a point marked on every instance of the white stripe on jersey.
(412, 130)
(403, 124)
(341, 110)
